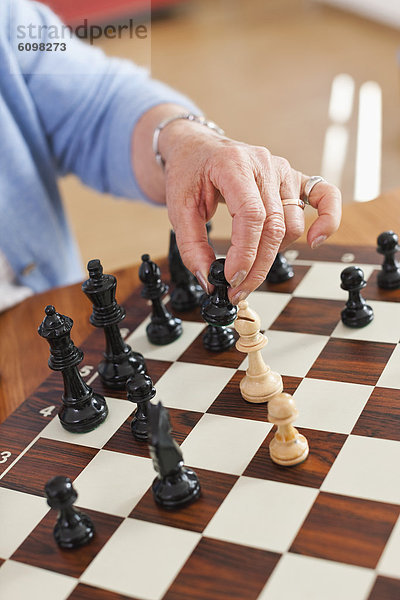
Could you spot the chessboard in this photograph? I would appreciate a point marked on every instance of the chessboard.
(328, 528)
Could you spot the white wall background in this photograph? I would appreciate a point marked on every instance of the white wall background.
(385, 11)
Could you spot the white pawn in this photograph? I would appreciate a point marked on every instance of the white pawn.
(259, 384)
(288, 447)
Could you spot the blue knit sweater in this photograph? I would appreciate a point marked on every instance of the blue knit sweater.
(61, 112)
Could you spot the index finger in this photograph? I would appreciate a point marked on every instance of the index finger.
(245, 205)
(327, 199)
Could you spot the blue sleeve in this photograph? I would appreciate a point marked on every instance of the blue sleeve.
(87, 103)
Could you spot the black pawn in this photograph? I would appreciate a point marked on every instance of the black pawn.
(163, 328)
(217, 309)
(176, 485)
(218, 339)
(357, 312)
(73, 528)
(389, 276)
(280, 270)
(140, 390)
(187, 292)
(82, 409)
(120, 362)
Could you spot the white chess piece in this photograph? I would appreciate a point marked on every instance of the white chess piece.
(259, 384)
(288, 447)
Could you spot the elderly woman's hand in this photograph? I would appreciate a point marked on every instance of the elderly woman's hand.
(202, 168)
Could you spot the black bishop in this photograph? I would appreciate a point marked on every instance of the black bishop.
(163, 327)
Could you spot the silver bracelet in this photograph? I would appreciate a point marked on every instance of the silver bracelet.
(188, 117)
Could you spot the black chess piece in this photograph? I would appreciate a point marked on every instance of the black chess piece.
(176, 485)
(163, 328)
(140, 390)
(187, 292)
(82, 409)
(357, 312)
(389, 276)
(120, 362)
(73, 528)
(216, 308)
(218, 339)
(280, 270)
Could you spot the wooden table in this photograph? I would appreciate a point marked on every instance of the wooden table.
(23, 355)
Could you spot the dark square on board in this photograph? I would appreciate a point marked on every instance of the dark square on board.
(230, 403)
(345, 529)
(351, 361)
(309, 315)
(44, 460)
(374, 292)
(87, 592)
(182, 422)
(196, 353)
(385, 588)
(196, 516)
(381, 415)
(286, 287)
(325, 447)
(218, 570)
(41, 550)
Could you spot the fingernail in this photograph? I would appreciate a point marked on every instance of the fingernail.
(238, 278)
(240, 296)
(318, 241)
(202, 281)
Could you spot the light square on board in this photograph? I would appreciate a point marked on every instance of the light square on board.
(192, 387)
(323, 281)
(16, 578)
(118, 411)
(309, 315)
(126, 563)
(324, 448)
(268, 306)
(339, 528)
(385, 326)
(291, 353)
(364, 469)
(389, 563)
(390, 377)
(44, 460)
(224, 444)
(312, 578)
(351, 361)
(330, 405)
(114, 482)
(41, 550)
(237, 572)
(266, 514)
(19, 514)
(381, 415)
(171, 352)
(195, 516)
